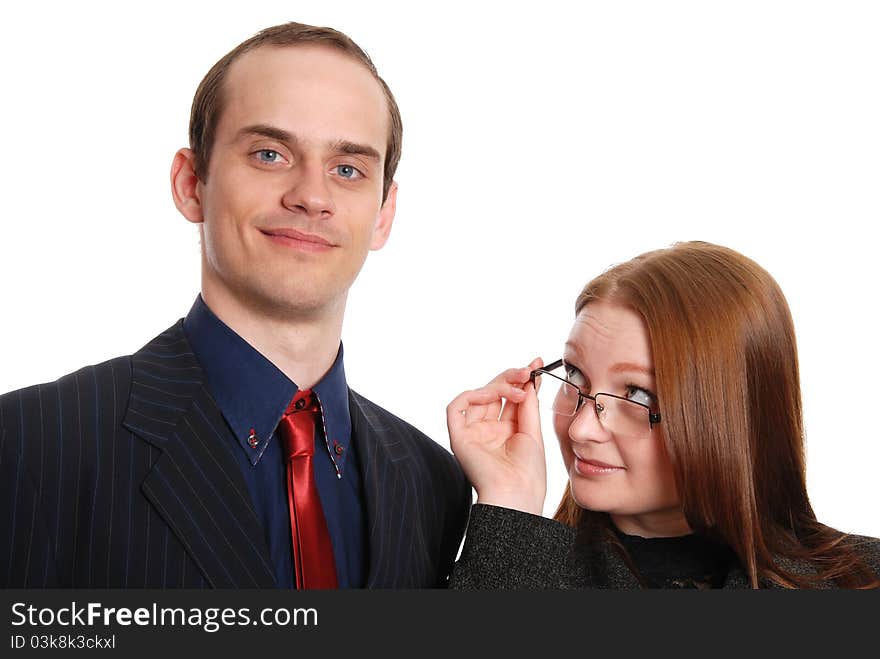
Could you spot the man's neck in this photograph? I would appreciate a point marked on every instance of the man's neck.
(303, 347)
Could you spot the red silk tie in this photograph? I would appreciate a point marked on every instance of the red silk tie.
(313, 563)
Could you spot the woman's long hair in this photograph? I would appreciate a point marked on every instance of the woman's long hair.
(726, 367)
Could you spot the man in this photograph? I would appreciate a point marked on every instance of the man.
(229, 451)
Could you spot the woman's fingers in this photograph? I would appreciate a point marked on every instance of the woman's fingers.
(522, 377)
(474, 413)
(485, 403)
(528, 418)
(481, 404)
(469, 406)
(537, 362)
(516, 376)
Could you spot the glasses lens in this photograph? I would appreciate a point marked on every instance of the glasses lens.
(623, 417)
(565, 401)
(556, 395)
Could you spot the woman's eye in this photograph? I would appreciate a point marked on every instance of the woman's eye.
(574, 376)
(639, 395)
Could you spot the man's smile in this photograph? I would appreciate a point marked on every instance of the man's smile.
(300, 240)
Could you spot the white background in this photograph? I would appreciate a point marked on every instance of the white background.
(542, 144)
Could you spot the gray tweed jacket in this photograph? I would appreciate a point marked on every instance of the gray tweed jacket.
(508, 549)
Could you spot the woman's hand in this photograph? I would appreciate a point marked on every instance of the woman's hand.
(495, 433)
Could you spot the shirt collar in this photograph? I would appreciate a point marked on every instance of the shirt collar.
(252, 393)
(332, 392)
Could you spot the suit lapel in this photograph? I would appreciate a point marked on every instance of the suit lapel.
(390, 497)
(195, 484)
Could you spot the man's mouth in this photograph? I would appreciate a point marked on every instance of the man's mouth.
(307, 242)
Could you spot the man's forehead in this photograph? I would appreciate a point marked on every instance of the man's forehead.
(290, 66)
(328, 88)
(301, 54)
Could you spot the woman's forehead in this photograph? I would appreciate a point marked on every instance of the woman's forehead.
(604, 332)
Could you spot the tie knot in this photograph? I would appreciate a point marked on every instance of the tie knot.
(304, 401)
(297, 427)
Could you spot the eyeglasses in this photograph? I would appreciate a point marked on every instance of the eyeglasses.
(619, 415)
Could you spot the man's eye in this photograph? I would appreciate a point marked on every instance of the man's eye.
(347, 171)
(268, 155)
(639, 395)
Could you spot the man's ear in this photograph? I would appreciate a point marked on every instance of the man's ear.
(184, 186)
(385, 219)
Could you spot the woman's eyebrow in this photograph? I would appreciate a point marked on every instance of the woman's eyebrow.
(629, 367)
(620, 367)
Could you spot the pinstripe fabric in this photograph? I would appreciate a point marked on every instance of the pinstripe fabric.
(417, 500)
(121, 476)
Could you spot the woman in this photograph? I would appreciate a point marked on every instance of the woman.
(678, 412)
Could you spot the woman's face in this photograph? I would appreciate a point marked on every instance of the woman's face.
(628, 476)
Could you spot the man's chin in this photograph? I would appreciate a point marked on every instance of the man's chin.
(296, 302)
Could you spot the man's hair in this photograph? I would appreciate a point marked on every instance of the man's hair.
(208, 102)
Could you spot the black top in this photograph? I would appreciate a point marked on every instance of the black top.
(510, 549)
(688, 561)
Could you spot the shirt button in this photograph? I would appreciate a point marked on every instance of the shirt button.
(301, 403)
(339, 449)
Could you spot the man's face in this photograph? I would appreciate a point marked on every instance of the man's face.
(292, 200)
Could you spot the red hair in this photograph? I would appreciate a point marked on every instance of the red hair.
(726, 366)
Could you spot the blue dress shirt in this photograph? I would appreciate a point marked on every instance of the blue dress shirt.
(252, 394)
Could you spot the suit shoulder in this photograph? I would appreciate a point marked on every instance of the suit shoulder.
(113, 374)
(84, 384)
(115, 368)
(381, 419)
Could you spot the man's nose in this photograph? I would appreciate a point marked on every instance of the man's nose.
(309, 191)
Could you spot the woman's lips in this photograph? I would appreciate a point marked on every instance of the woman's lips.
(594, 467)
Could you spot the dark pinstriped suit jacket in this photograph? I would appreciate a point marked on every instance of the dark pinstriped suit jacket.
(122, 475)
